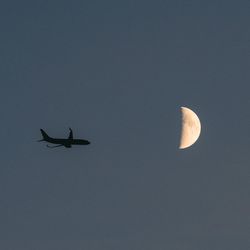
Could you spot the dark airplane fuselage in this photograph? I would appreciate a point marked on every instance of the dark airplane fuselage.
(68, 142)
(63, 142)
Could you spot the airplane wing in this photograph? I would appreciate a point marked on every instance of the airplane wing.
(60, 145)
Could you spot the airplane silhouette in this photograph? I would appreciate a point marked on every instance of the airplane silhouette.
(67, 143)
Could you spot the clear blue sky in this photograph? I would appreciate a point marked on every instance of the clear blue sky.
(117, 72)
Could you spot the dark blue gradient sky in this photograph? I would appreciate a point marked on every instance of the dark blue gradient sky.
(117, 72)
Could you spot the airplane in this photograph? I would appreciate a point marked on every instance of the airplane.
(67, 143)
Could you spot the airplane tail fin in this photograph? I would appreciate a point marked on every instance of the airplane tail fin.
(45, 136)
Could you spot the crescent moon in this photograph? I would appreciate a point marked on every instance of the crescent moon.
(191, 128)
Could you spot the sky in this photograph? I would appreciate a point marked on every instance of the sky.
(117, 73)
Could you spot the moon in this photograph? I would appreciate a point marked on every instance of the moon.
(191, 128)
